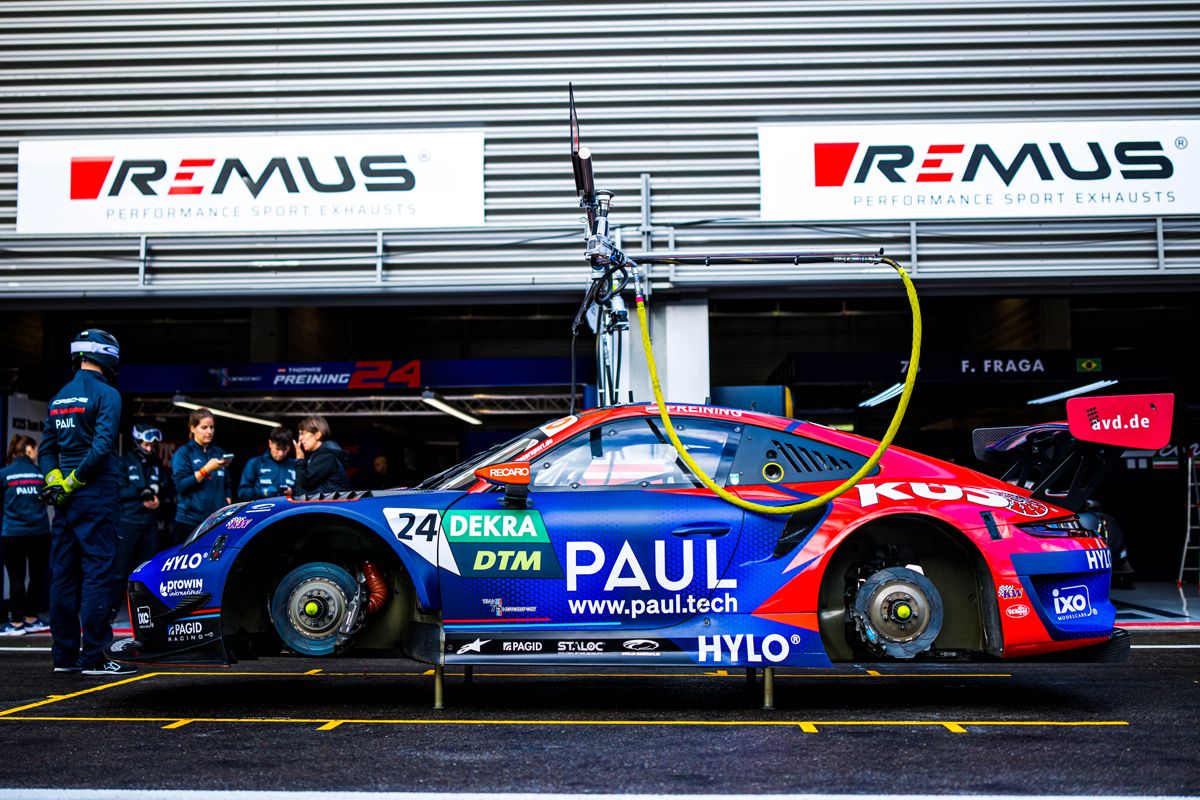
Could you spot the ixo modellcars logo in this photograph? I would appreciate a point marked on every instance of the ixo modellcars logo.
(1073, 602)
(109, 176)
(840, 163)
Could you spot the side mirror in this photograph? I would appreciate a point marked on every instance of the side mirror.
(514, 477)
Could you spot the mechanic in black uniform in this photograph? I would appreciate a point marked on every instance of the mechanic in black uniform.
(141, 484)
(202, 483)
(273, 473)
(78, 457)
(320, 462)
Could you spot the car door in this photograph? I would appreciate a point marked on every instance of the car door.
(616, 535)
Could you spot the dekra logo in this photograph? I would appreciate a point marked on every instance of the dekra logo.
(148, 177)
(833, 161)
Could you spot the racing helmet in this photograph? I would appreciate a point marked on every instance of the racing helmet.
(99, 347)
(146, 433)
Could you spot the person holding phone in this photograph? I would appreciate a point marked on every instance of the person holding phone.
(320, 462)
(202, 482)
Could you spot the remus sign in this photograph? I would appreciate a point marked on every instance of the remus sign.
(978, 171)
(294, 182)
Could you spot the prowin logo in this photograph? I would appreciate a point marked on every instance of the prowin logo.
(835, 162)
(92, 176)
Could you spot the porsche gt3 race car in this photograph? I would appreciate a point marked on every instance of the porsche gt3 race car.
(588, 541)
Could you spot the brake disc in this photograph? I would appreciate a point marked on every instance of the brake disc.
(898, 612)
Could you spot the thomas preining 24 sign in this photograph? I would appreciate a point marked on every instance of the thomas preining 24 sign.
(979, 171)
(294, 182)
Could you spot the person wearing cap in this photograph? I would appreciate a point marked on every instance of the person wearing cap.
(141, 486)
(78, 457)
(272, 473)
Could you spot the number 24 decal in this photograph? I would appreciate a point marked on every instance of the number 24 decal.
(404, 522)
(380, 374)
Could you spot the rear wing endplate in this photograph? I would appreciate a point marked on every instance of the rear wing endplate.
(1064, 462)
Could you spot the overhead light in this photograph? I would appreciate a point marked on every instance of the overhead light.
(1091, 387)
(883, 397)
(183, 402)
(432, 399)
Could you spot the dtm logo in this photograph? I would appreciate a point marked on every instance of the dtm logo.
(939, 163)
(744, 647)
(1073, 602)
(192, 176)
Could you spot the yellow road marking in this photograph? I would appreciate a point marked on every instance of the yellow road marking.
(56, 698)
(807, 726)
(314, 672)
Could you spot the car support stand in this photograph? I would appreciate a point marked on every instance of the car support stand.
(768, 689)
(439, 687)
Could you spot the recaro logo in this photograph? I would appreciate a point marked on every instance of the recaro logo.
(940, 163)
(90, 176)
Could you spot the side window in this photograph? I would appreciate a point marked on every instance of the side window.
(636, 453)
(767, 456)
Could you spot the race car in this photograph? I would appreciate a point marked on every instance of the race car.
(589, 541)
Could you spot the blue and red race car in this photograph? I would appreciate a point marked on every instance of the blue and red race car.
(588, 540)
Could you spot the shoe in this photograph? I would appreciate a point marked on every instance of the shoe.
(13, 630)
(37, 626)
(67, 669)
(109, 668)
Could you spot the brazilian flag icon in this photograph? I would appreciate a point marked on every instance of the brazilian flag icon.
(1088, 365)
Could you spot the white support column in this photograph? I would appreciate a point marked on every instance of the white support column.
(679, 331)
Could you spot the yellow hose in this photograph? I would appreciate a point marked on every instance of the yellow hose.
(910, 379)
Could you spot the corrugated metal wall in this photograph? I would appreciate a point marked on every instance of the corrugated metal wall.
(673, 89)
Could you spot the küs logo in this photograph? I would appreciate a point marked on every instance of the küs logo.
(944, 163)
(92, 176)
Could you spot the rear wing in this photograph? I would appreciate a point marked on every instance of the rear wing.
(1064, 462)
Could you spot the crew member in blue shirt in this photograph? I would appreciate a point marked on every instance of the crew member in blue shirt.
(202, 483)
(141, 486)
(79, 459)
(26, 536)
(273, 473)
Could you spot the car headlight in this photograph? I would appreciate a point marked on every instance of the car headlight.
(1064, 526)
(214, 519)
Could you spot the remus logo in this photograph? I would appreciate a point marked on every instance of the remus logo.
(92, 176)
(943, 163)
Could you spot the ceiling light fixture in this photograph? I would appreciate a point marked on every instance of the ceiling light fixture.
(183, 402)
(1091, 387)
(435, 400)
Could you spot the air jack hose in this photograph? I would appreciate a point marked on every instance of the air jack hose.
(910, 379)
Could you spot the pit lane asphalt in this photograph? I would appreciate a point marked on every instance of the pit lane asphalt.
(368, 725)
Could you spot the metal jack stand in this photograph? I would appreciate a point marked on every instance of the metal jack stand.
(439, 687)
(768, 689)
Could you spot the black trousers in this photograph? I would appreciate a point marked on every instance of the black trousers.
(27, 556)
